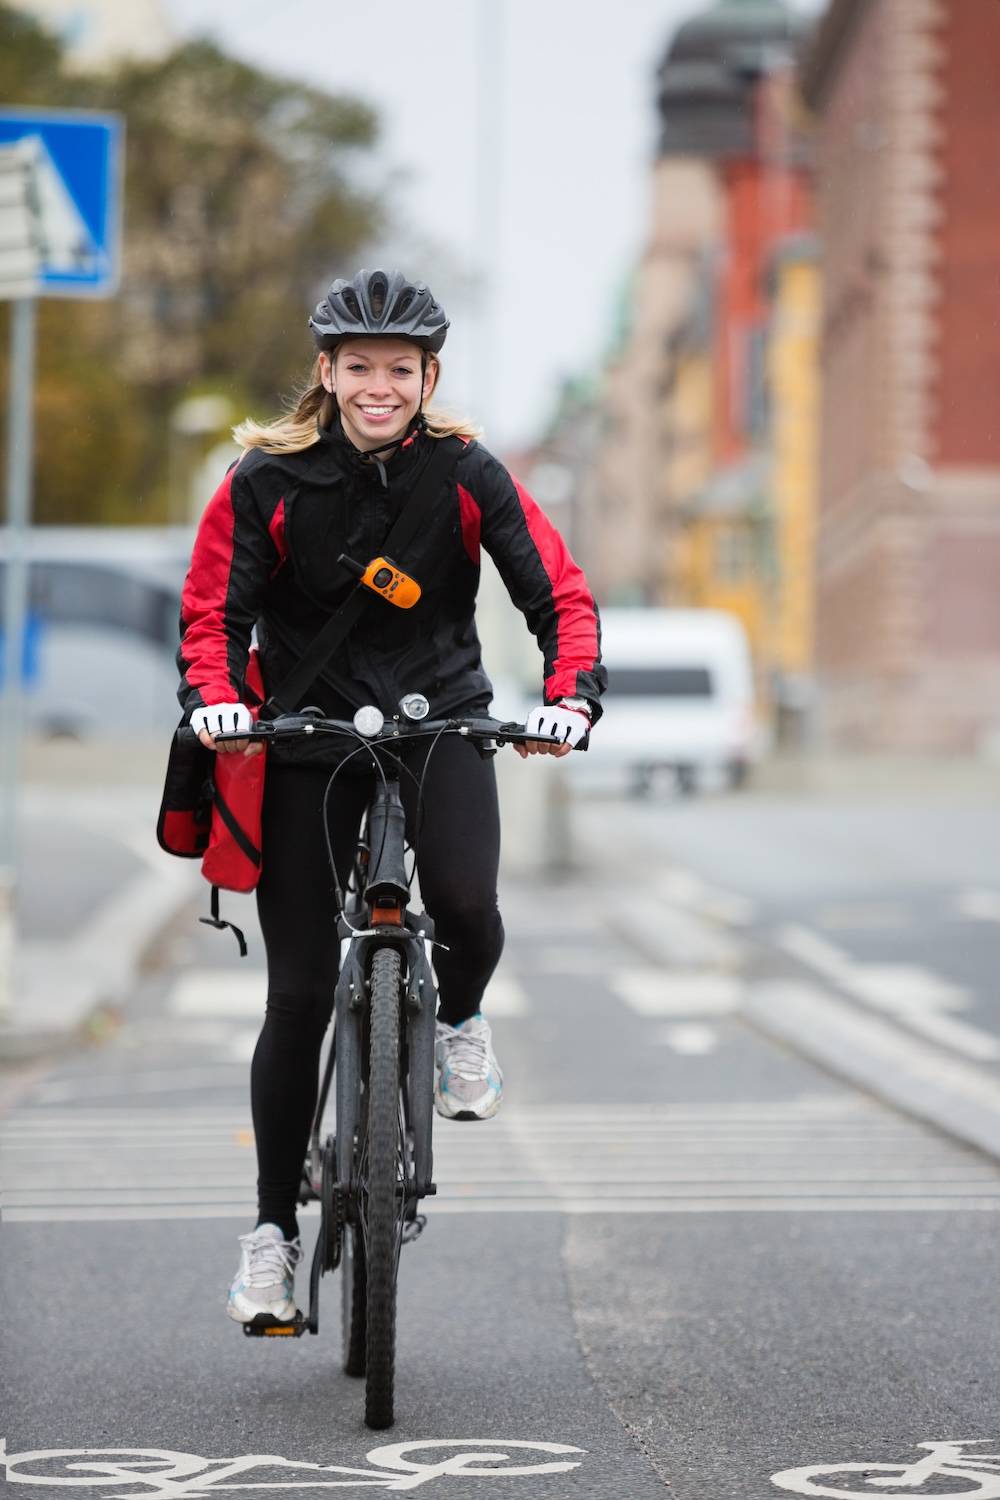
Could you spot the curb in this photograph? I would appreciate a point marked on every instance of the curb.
(910, 1075)
(62, 987)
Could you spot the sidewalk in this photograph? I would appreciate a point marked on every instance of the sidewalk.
(822, 774)
(95, 890)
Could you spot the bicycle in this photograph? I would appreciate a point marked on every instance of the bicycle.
(371, 1174)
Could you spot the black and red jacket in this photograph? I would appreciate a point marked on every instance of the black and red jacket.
(266, 556)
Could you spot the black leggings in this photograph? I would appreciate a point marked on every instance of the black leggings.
(458, 849)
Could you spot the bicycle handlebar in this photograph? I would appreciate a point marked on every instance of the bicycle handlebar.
(295, 726)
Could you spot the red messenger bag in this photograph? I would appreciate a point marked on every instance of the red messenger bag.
(211, 807)
(232, 857)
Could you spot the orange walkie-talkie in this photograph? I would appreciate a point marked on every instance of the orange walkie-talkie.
(384, 577)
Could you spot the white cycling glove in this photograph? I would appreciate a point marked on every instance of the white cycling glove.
(222, 718)
(571, 725)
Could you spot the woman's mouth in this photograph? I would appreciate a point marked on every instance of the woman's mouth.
(378, 413)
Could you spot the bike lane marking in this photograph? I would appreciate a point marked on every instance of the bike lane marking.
(170, 1474)
(945, 1459)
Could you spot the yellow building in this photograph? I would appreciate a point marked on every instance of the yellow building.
(726, 553)
(743, 536)
(717, 556)
(793, 374)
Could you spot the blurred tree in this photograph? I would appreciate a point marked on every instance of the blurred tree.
(239, 204)
(30, 60)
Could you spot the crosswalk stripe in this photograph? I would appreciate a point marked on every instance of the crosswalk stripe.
(832, 1153)
(504, 997)
(689, 1038)
(656, 993)
(217, 994)
(225, 993)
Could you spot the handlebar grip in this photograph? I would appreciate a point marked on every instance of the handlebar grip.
(188, 736)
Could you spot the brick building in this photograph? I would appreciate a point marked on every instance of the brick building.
(906, 96)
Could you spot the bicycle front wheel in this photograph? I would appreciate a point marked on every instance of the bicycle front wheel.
(381, 1186)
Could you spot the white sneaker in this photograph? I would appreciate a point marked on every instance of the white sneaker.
(469, 1084)
(264, 1288)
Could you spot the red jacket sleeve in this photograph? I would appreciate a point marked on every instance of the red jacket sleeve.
(544, 582)
(234, 555)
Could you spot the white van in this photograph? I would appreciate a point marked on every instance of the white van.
(680, 697)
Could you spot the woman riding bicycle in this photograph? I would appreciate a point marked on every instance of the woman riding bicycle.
(325, 480)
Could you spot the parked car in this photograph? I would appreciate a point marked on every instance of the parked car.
(101, 631)
(680, 698)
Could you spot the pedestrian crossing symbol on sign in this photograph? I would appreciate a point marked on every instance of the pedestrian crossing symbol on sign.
(60, 203)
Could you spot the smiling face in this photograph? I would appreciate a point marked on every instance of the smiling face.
(377, 386)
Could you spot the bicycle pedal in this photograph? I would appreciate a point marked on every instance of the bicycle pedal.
(264, 1330)
(414, 1228)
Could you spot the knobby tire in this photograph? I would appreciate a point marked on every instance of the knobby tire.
(382, 1204)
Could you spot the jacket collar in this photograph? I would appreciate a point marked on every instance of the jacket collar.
(388, 471)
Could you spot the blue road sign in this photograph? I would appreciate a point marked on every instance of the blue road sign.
(73, 162)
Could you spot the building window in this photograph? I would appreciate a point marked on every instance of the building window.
(756, 412)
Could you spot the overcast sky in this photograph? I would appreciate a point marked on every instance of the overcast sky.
(572, 85)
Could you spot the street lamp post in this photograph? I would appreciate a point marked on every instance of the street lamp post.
(19, 448)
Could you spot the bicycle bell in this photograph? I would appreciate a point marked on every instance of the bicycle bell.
(369, 721)
(414, 706)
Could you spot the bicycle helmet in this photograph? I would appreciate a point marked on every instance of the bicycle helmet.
(379, 304)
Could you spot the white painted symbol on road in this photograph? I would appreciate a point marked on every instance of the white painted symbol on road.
(980, 1473)
(681, 993)
(689, 1038)
(162, 1472)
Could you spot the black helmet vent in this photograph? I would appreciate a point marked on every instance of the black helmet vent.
(377, 291)
(402, 303)
(350, 301)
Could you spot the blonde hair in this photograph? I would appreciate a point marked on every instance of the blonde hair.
(315, 407)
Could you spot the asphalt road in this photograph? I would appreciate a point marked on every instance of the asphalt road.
(681, 1250)
(893, 899)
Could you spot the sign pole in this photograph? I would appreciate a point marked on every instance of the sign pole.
(20, 445)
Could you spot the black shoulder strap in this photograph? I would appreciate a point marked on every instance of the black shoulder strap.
(409, 522)
(415, 514)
